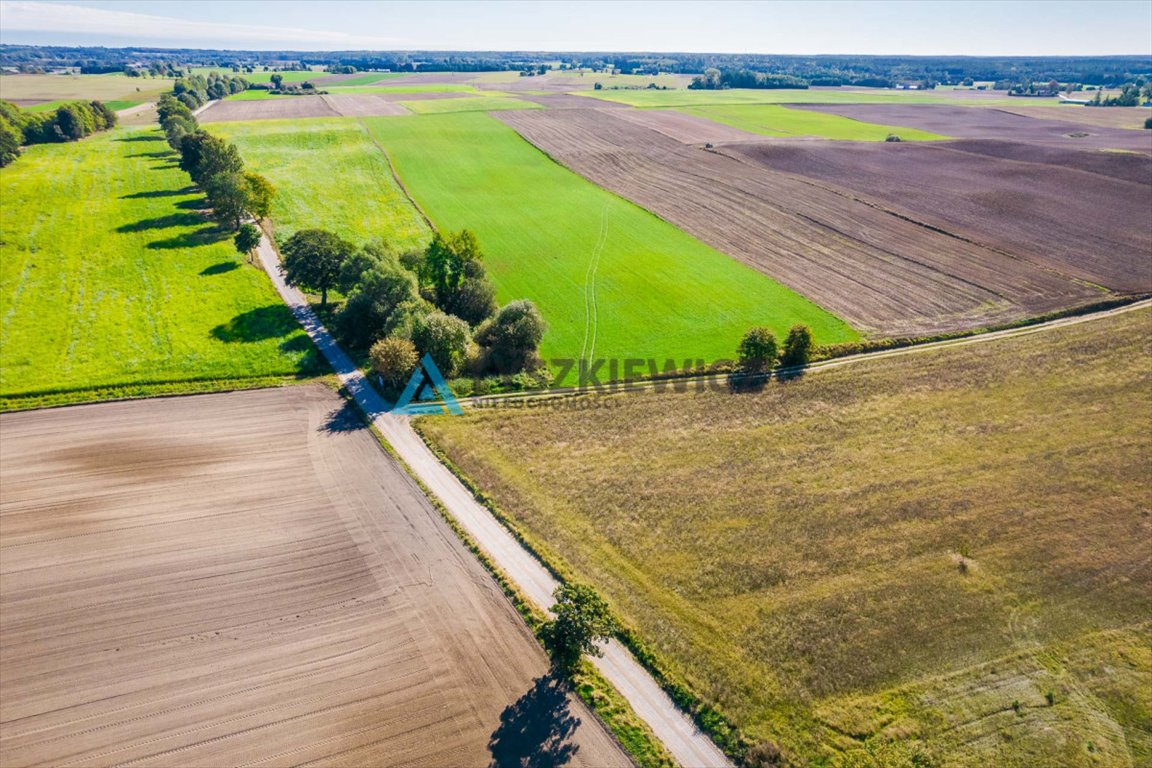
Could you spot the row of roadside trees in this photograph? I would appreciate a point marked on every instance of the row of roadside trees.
(215, 166)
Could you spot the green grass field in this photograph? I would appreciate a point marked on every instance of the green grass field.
(468, 104)
(115, 105)
(418, 88)
(773, 120)
(111, 278)
(368, 78)
(686, 98)
(328, 173)
(549, 234)
(947, 549)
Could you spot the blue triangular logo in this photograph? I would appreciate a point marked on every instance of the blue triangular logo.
(434, 395)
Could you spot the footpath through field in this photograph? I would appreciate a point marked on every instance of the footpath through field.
(687, 744)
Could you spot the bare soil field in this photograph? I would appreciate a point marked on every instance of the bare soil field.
(287, 108)
(364, 105)
(881, 272)
(249, 579)
(1058, 211)
(989, 123)
(1104, 117)
(687, 129)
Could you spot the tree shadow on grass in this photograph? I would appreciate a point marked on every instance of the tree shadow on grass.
(203, 236)
(195, 204)
(141, 138)
(158, 193)
(536, 730)
(272, 322)
(221, 268)
(163, 222)
(161, 153)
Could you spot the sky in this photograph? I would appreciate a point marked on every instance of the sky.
(893, 27)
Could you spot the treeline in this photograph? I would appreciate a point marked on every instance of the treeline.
(716, 79)
(195, 91)
(215, 166)
(68, 122)
(816, 70)
(1129, 96)
(401, 306)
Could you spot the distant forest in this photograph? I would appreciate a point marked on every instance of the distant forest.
(877, 71)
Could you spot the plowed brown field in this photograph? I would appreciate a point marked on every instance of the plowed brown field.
(248, 579)
(987, 123)
(1062, 209)
(880, 271)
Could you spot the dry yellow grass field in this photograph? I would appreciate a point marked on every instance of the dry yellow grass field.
(947, 554)
(249, 579)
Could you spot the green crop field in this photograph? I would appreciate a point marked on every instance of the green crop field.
(611, 279)
(82, 87)
(773, 120)
(111, 277)
(549, 234)
(947, 549)
(686, 98)
(114, 105)
(468, 104)
(368, 78)
(264, 77)
(328, 173)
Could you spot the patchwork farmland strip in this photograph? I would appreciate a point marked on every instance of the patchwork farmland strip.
(884, 274)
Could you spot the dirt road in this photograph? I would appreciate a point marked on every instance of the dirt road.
(245, 578)
(688, 745)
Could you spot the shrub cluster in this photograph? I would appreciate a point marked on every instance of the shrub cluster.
(215, 166)
(759, 352)
(437, 301)
(195, 91)
(68, 122)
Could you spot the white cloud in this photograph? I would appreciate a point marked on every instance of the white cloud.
(22, 16)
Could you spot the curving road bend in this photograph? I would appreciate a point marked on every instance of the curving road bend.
(688, 745)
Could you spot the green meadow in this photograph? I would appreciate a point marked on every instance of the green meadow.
(774, 120)
(328, 173)
(112, 280)
(611, 279)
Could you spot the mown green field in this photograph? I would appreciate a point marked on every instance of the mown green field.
(328, 173)
(368, 78)
(417, 88)
(263, 77)
(468, 104)
(686, 98)
(773, 120)
(944, 554)
(111, 278)
(611, 279)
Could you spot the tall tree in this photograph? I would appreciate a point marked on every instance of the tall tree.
(582, 620)
(312, 259)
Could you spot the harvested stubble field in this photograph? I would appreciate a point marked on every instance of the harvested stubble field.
(984, 123)
(1081, 214)
(111, 276)
(948, 549)
(883, 273)
(249, 579)
(25, 89)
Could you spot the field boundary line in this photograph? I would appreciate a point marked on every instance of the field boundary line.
(688, 745)
(396, 176)
(482, 401)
